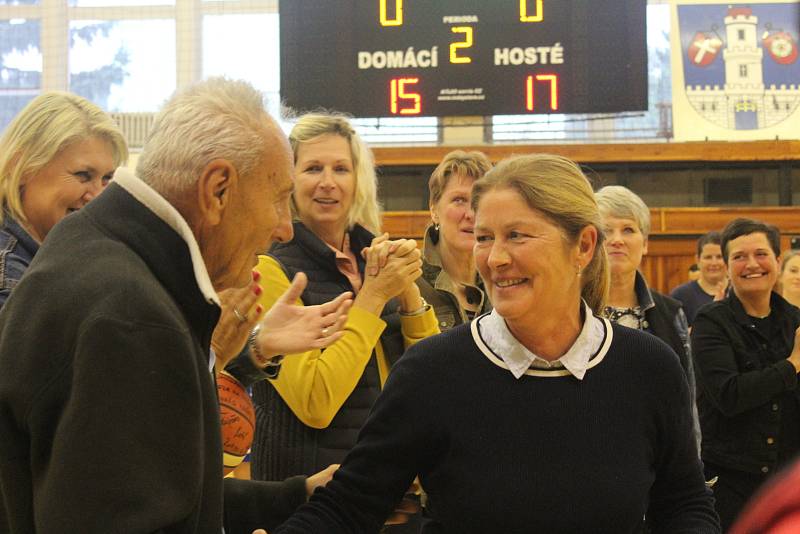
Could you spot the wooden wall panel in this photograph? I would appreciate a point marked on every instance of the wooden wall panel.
(775, 150)
(673, 237)
(701, 220)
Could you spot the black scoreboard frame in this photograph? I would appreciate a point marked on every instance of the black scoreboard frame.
(396, 58)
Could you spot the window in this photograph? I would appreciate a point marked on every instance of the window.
(743, 71)
(123, 65)
(101, 3)
(20, 65)
(252, 55)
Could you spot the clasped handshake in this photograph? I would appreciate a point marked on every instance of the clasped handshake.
(288, 327)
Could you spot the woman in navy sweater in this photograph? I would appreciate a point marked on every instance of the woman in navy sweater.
(536, 417)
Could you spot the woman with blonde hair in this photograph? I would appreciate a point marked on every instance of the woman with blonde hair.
(57, 154)
(450, 281)
(540, 416)
(309, 415)
(790, 277)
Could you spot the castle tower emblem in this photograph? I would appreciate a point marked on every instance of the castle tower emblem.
(742, 87)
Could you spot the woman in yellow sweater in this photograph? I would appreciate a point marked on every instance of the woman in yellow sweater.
(309, 415)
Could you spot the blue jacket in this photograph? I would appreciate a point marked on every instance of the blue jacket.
(17, 249)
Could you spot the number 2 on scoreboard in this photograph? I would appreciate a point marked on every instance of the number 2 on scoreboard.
(399, 97)
(466, 43)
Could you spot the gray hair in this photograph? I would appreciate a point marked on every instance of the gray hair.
(214, 119)
(621, 202)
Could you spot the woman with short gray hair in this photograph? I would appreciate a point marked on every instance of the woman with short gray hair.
(626, 223)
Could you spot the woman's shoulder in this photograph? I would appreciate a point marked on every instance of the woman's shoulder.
(714, 311)
(445, 347)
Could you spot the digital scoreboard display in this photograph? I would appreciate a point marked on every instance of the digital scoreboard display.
(406, 58)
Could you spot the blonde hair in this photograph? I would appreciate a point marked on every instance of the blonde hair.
(214, 119)
(622, 203)
(557, 188)
(788, 256)
(47, 125)
(365, 210)
(456, 163)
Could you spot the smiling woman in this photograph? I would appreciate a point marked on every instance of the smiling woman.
(747, 349)
(55, 156)
(489, 413)
(790, 277)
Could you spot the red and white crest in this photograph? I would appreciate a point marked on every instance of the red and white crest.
(703, 49)
(781, 46)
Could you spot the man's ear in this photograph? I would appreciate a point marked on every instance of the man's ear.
(218, 180)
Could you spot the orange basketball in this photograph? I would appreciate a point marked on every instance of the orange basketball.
(237, 418)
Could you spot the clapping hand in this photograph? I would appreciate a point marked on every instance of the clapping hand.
(240, 313)
(289, 328)
(721, 289)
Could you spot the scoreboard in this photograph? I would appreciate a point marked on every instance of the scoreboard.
(405, 58)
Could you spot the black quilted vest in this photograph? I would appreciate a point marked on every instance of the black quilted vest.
(283, 446)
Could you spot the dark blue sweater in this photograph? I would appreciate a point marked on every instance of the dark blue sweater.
(544, 453)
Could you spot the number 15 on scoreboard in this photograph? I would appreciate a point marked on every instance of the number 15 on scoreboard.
(401, 98)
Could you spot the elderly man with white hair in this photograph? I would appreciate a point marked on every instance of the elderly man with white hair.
(108, 409)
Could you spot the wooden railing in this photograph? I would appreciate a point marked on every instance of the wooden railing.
(776, 150)
(673, 235)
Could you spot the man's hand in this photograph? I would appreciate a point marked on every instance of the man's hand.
(288, 328)
(408, 506)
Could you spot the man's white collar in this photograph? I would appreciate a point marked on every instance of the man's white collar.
(150, 198)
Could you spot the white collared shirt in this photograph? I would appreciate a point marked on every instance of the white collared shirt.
(591, 344)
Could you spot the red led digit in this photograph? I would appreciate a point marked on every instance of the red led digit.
(401, 101)
(552, 80)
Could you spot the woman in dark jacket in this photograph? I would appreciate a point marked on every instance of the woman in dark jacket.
(747, 359)
(450, 281)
